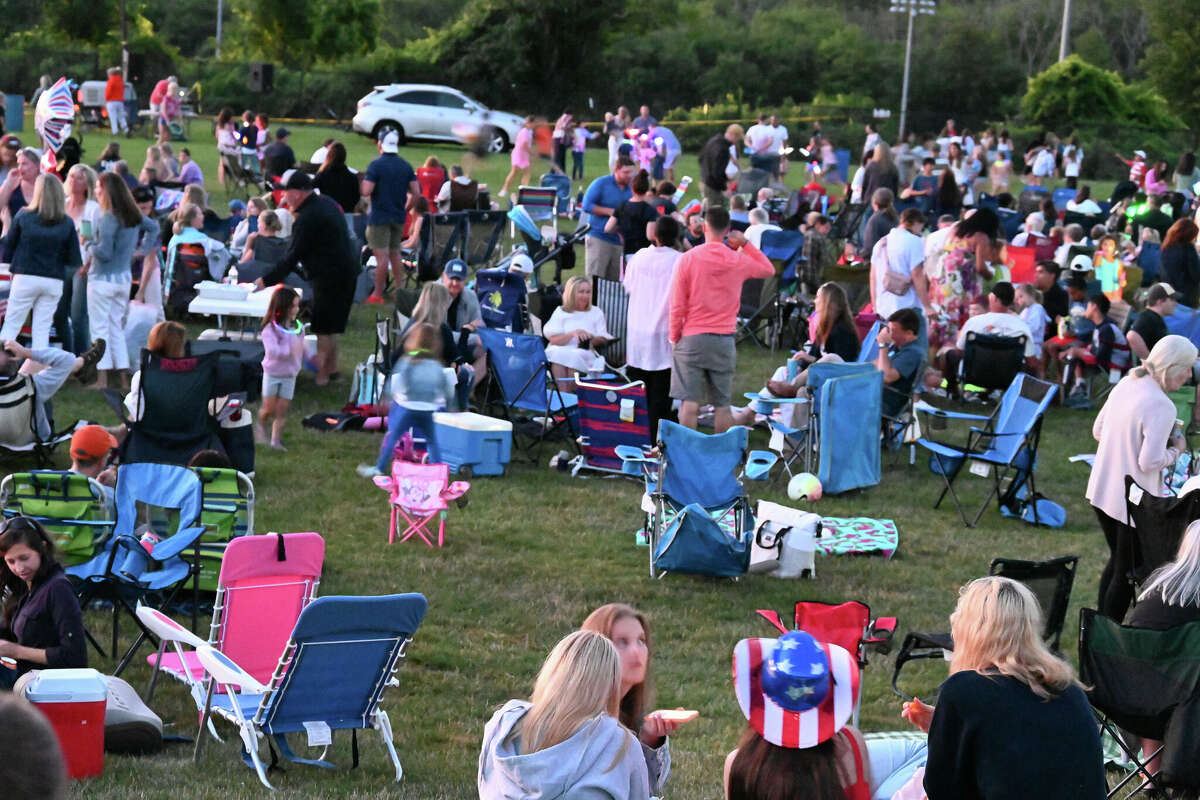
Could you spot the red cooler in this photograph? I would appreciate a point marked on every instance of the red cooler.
(73, 700)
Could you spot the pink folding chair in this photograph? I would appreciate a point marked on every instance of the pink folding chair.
(264, 584)
(420, 492)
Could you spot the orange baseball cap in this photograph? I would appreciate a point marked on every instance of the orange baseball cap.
(92, 442)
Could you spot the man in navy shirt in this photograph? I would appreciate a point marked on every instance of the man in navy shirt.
(602, 251)
(392, 187)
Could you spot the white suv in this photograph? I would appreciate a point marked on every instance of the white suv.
(437, 113)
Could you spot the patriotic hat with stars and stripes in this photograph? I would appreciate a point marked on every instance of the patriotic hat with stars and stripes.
(795, 691)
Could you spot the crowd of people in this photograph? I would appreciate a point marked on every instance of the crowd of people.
(932, 255)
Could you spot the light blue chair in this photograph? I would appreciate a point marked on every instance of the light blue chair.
(1005, 445)
(124, 572)
(701, 523)
(343, 653)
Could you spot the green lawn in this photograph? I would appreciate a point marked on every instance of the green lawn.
(536, 550)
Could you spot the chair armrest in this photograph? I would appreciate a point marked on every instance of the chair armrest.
(756, 397)
(174, 545)
(225, 671)
(629, 453)
(933, 411)
(759, 464)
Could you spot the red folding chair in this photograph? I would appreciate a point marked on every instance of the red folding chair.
(419, 493)
(848, 625)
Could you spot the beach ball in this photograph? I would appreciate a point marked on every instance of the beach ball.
(804, 486)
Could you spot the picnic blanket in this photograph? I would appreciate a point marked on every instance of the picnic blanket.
(850, 535)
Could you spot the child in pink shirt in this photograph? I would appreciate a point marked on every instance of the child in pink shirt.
(283, 348)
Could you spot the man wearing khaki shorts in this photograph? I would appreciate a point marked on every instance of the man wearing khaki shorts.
(602, 251)
(705, 296)
(392, 187)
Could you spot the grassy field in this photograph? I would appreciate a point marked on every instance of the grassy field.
(536, 550)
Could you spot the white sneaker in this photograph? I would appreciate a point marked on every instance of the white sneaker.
(367, 470)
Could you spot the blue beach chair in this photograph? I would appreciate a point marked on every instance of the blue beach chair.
(701, 522)
(125, 570)
(343, 653)
(521, 372)
(1005, 446)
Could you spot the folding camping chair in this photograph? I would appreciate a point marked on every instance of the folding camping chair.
(483, 235)
(175, 422)
(420, 492)
(266, 581)
(19, 403)
(342, 655)
(71, 507)
(1050, 581)
(758, 312)
(991, 361)
(699, 519)
(1144, 682)
(1005, 447)
(239, 180)
(126, 568)
(848, 625)
(612, 414)
(539, 202)
(1158, 527)
(519, 369)
(561, 185)
(611, 298)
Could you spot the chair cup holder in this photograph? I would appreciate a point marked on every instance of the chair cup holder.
(134, 564)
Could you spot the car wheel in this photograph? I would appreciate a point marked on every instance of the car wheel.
(388, 124)
(497, 140)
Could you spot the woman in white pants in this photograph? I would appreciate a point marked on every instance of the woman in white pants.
(110, 278)
(41, 247)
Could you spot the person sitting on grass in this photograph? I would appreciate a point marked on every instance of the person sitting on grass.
(419, 386)
(1108, 350)
(566, 741)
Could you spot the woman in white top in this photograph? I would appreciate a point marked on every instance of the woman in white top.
(1083, 202)
(1072, 158)
(647, 281)
(1137, 437)
(83, 208)
(575, 330)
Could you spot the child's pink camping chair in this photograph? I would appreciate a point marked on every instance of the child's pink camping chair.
(264, 584)
(420, 492)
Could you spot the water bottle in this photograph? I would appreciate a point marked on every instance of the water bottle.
(233, 275)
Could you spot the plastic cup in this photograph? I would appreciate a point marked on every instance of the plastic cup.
(793, 369)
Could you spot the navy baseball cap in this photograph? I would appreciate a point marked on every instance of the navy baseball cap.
(456, 268)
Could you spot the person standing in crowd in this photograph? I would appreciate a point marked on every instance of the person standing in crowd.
(42, 249)
(1187, 175)
(110, 277)
(882, 220)
(645, 120)
(647, 281)
(336, 180)
(669, 150)
(83, 209)
(881, 172)
(714, 162)
(872, 141)
(114, 101)
(158, 93)
(18, 186)
(321, 241)
(705, 297)
(1137, 166)
(168, 111)
(279, 157)
(764, 150)
(561, 139)
(521, 157)
(602, 249)
(1137, 436)
(898, 272)
(632, 218)
(392, 186)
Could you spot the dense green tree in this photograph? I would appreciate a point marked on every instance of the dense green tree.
(88, 21)
(1076, 92)
(1171, 60)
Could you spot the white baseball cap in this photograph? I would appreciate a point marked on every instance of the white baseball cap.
(390, 142)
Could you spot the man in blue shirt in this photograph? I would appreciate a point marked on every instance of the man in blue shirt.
(392, 187)
(899, 359)
(602, 251)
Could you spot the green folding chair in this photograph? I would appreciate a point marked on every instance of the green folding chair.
(72, 508)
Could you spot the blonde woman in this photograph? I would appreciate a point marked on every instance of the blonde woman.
(155, 167)
(85, 211)
(41, 247)
(575, 330)
(566, 742)
(1137, 436)
(1011, 714)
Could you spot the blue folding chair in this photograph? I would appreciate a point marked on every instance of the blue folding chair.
(848, 441)
(125, 570)
(785, 248)
(701, 523)
(1005, 446)
(519, 369)
(561, 185)
(1060, 197)
(343, 653)
(502, 299)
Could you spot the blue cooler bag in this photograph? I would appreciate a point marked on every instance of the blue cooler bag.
(693, 542)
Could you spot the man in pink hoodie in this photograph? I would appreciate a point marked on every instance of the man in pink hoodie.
(705, 297)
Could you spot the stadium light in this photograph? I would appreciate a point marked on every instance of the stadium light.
(912, 8)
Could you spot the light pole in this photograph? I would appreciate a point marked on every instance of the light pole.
(219, 10)
(1066, 27)
(911, 8)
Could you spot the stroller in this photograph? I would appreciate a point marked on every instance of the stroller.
(560, 248)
